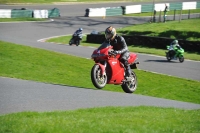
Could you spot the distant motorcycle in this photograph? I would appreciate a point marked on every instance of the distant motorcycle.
(172, 52)
(109, 70)
(76, 38)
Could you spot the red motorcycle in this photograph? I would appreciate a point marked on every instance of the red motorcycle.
(109, 70)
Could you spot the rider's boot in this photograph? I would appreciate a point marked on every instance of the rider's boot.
(128, 70)
(176, 54)
(129, 76)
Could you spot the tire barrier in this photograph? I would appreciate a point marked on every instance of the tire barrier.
(189, 5)
(95, 12)
(55, 12)
(152, 42)
(40, 13)
(21, 13)
(28, 13)
(133, 9)
(160, 7)
(5, 13)
(116, 11)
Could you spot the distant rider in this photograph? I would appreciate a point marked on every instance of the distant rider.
(174, 46)
(119, 46)
(80, 34)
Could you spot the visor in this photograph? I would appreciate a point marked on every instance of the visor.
(108, 36)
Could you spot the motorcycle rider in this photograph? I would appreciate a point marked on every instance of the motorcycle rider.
(78, 32)
(119, 47)
(174, 46)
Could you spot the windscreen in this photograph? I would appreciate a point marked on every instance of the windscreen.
(104, 45)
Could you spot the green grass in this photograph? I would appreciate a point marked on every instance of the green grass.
(104, 120)
(20, 19)
(186, 29)
(45, 66)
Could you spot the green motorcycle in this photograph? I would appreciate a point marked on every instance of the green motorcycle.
(174, 53)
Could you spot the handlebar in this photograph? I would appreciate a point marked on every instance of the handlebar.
(111, 52)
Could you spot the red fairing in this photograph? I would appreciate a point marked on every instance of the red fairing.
(133, 58)
(117, 71)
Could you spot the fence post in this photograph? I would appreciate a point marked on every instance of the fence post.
(189, 14)
(160, 16)
(174, 14)
(180, 16)
(154, 16)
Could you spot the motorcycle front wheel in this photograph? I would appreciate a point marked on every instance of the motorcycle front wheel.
(130, 86)
(70, 42)
(98, 80)
(168, 56)
(181, 59)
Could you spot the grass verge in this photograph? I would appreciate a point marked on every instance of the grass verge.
(186, 29)
(45, 66)
(110, 119)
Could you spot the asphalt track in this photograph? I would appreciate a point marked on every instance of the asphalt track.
(20, 95)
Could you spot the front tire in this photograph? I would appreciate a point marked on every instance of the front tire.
(168, 56)
(70, 42)
(130, 86)
(181, 59)
(98, 80)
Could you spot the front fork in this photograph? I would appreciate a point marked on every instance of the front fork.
(103, 67)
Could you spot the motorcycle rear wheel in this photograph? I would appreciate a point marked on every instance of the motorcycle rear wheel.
(98, 80)
(130, 86)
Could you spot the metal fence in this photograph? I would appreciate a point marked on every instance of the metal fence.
(177, 15)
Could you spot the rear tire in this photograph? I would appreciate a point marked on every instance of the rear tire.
(98, 80)
(130, 86)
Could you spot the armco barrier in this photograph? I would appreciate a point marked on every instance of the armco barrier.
(153, 42)
(5, 13)
(21, 13)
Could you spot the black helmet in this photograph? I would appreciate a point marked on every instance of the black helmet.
(110, 33)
